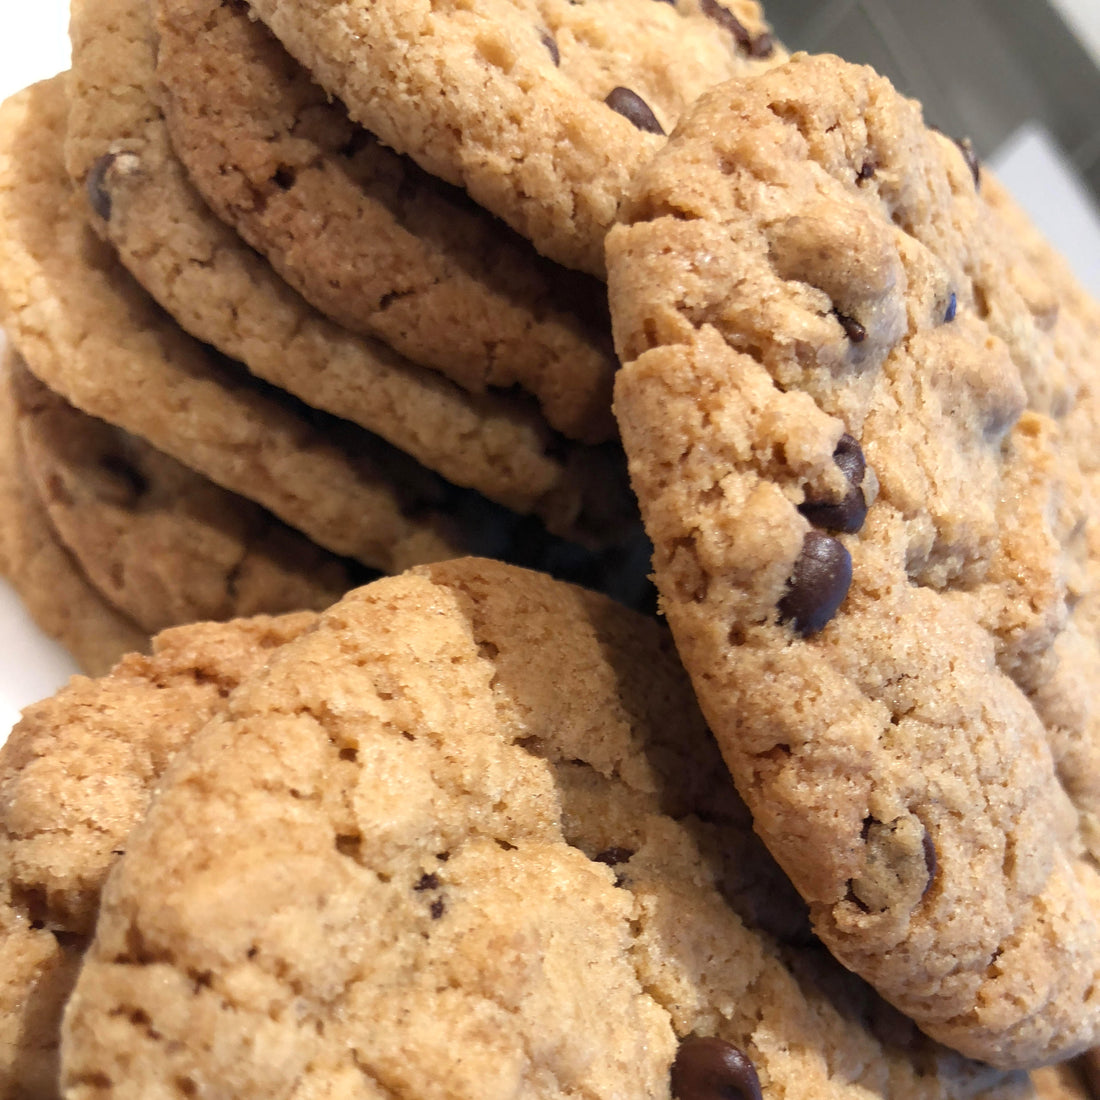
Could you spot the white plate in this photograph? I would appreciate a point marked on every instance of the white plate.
(34, 44)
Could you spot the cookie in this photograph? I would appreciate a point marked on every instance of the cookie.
(118, 150)
(56, 593)
(849, 430)
(366, 236)
(162, 543)
(70, 307)
(541, 109)
(75, 775)
(476, 876)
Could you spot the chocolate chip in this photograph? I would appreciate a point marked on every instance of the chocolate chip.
(866, 170)
(612, 856)
(547, 39)
(712, 1069)
(98, 195)
(634, 109)
(852, 328)
(760, 46)
(436, 909)
(930, 860)
(952, 309)
(822, 576)
(427, 881)
(847, 514)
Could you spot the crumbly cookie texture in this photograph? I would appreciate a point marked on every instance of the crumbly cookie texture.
(455, 871)
(75, 775)
(162, 543)
(138, 196)
(541, 109)
(52, 587)
(365, 235)
(70, 307)
(858, 426)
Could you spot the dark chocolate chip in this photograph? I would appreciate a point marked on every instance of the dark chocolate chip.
(436, 909)
(95, 184)
(852, 328)
(429, 881)
(547, 39)
(822, 576)
(867, 170)
(761, 46)
(612, 856)
(952, 309)
(712, 1069)
(634, 109)
(847, 514)
(930, 860)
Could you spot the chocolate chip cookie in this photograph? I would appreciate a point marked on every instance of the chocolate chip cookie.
(75, 775)
(53, 588)
(71, 310)
(365, 235)
(541, 109)
(118, 151)
(162, 543)
(857, 429)
(457, 871)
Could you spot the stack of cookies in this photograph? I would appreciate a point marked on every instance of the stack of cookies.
(471, 831)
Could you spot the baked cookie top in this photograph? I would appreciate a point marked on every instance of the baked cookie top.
(541, 109)
(70, 307)
(138, 196)
(458, 872)
(53, 588)
(856, 424)
(165, 545)
(365, 235)
(75, 775)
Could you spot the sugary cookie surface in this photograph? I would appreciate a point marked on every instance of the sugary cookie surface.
(861, 430)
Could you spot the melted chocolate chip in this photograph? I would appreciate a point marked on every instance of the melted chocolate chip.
(852, 328)
(634, 109)
(930, 860)
(436, 909)
(612, 856)
(429, 881)
(712, 1069)
(822, 576)
(866, 170)
(952, 309)
(98, 195)
(760, 46)
(847, 514)
(547, 39)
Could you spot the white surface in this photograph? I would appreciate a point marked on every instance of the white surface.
(1083, 17)
(34, 44)
(1033, 168)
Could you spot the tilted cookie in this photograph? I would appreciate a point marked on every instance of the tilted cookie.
(365, 235)
(851, 423)
(541, 109)
(165, 545)
(75, 775)
(90, 333)
(118, 151)
(408, 859)
(54, 590)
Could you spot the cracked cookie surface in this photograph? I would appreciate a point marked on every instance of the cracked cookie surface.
(540, 109)
(863, 434)
(458, 872)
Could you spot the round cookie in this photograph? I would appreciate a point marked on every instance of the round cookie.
(541, 109)
(119, 153)
(75, 775)
(474, 875)
(69, 307)
(855, 430)
(52, 587)
(366, 236)
(162, 543)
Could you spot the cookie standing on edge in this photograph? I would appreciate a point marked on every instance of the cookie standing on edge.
(365, 235)
(541, 109)
(850, 426)
(75, 775)
(458, 871)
